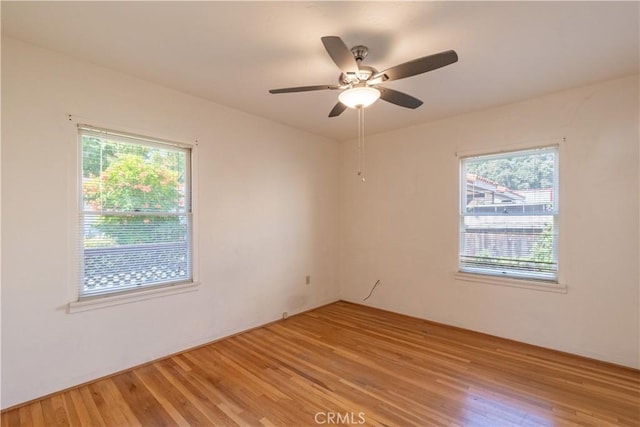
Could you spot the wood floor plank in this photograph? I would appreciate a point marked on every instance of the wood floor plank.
(142, 403)
(165, 395)
(70, 409)
(11, 418)
(349, 364)
(54, 411)
(81, 412)
(197, 390)
(37, 416)
(109, 406)
(25, 416)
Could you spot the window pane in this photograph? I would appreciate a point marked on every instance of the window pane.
(509, 245)
(125, 177)
(112, 230)
(523, 182)
(117, 268)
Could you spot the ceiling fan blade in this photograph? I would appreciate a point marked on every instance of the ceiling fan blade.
(399, 98)
(340, 53)
(305, 88)
(337, 109)
(418, 66)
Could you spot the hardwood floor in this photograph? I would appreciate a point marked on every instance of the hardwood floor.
(349, 364)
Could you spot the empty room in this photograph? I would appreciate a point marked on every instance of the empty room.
(320, 213)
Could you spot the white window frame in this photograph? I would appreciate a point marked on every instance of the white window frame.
(471, 275)
(80, 302)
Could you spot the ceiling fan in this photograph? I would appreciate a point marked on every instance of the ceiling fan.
(359, 83)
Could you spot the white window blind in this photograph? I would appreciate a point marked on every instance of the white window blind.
(509, 214)
(135, 214)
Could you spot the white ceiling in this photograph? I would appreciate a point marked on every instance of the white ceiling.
(232, 53)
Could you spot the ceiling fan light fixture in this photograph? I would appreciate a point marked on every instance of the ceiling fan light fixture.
(359, 96)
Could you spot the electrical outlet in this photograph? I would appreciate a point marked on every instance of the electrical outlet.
(308, 280)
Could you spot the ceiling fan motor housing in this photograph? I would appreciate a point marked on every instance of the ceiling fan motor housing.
(364, 74)
(360, 52)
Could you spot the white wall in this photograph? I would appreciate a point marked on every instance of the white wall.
(401, 226)
(268, 216)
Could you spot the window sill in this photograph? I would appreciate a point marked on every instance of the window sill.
(125, 298)
(511, 282)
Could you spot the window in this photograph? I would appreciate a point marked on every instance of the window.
(135, 213)
(509, 214)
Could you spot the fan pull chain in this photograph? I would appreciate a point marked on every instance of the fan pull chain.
(361, 143)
